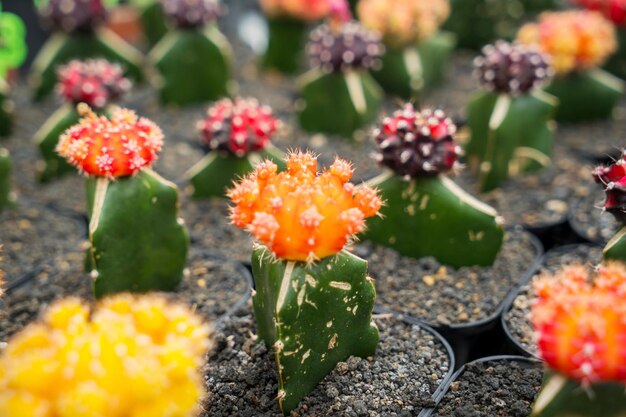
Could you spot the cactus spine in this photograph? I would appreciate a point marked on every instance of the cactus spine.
(7, 198)
(426, 213)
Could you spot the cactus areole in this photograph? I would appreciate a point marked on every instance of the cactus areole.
(579, 320)
(313, 300)
(138, 243)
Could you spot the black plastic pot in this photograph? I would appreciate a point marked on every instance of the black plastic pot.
(510, 358)
(580, 229)
(511, 340)
(554, 234)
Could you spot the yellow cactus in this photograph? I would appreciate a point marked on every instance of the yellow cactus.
(133, 356)
(403, 22)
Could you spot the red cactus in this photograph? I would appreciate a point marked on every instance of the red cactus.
(613, 179)
(95, 82)
(191, 13)
(74, 15)
(615, 10)
(115, 147)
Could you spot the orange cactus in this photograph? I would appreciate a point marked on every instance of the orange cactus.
(307, 10)
(299, 214)
(115, 147)
(580, 322)
(575, 40)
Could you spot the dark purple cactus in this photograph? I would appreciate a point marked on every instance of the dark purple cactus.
(350, 46)
(190, 14)
(511, 68)
(613, 179)
(73, 15)
(417, 143)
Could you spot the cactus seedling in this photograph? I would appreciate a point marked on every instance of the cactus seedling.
(287, 22)
(427, 214)
(613, 179)
(313, 299)
(511, 121)
(237, 134)
(97, 83)
(194, 59)
(78, 35)
(415, 52)
(338, 94)
(580, 325)
(138, 243)
(578, 42)
(129, 356)
(7, 199)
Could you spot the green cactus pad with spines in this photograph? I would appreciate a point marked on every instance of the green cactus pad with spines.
(586, 96)
(6, 110)
(435, 217)
(215, 173)
(407, 72)
(563, 397)
(47, 138)
(615, 248)
(153, 22)
(338, 103)
(286, 42)
(194, 66)
(137, 242)
(6, 196)
(509, 135)
(313, 316)
(62, 48)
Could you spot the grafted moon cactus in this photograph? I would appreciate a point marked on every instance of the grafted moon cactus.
(416, 53)
(138, 243)
(7, 198)
(578, 42)
(72, 361)
(427, 214)
(313, 300)
(338, 94)
(12, 54)
(579, 320)
(97, 83)
(237, 134)
(511, 121)
(78, 35)
(194, 59)
(613, 179)
(287, 23)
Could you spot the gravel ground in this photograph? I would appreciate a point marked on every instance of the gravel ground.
(588, 219)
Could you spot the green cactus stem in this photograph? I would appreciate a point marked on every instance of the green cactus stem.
(194, 66)
(285, 45)
(616, 64)
(585, 96)
(562, 397)
(153, 22)
(215, 173)
(615, 248)
(7, 199)
(62, 48)
(6, 109)
(406, 72)
(509, 135)
(138, 243)
(313, 316)
(339, 102)
(432, 216)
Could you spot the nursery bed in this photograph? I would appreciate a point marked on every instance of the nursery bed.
(410, 363)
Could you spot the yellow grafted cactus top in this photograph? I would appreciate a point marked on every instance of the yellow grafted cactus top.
(133, 356)
(403, 22)
(575, 40)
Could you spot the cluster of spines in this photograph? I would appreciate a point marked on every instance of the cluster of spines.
(511, 68)
(613, 180)
(580, 322)
(304, 10)
(350, 46)
(188, 14)
(417, 144)
(74, 15)
(111, 147)
(95, 82)
(136, 356)
(300, 214)
(238, 126)
(403, 22)
(614, 10)
(573, 39)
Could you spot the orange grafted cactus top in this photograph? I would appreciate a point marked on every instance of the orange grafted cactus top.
(581, 322)
(575, 40)
(307, 10)
(300, 214)
(111, 147)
